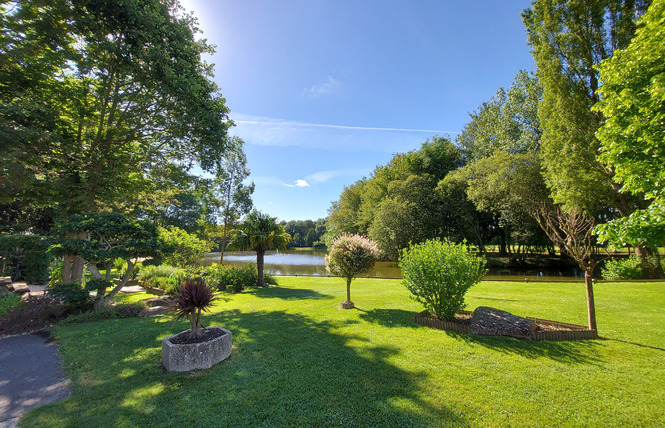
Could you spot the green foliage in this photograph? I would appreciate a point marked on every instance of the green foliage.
(233, 198)
(568, 38)
(398, 204)
(109, 312)
(507, 123)
(633, 103)
(183, 249)
(616, 269)
(26, 256)
(164, 277)
(8, 302)
(191, 299)
(351, 255)
(233, 279)
(439, 273)
(73, 294)
(115, 89)
(102, 238)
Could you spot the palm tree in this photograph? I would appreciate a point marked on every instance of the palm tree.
(259, 232)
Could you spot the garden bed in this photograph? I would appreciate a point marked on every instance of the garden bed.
(546, 329)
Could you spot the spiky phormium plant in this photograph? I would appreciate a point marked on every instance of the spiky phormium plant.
(192, 298)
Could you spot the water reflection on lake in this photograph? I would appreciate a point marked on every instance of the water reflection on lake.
(310, 262)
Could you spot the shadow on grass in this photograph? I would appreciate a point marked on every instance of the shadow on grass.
(286, 293)
(635, 344)
(285, 369)
(390, 317)
(569, 352)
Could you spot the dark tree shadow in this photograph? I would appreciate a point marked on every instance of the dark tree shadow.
(565, 351)
(634, 344)
(286, 293)
(285, 370)
(390, 317)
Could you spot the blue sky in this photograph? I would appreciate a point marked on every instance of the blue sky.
(324, 91)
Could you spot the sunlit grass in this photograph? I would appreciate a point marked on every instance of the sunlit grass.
(298, 360)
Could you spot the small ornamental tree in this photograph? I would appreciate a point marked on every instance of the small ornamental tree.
(100, 239)
(439, 273)
(349, 256)
(193, 298)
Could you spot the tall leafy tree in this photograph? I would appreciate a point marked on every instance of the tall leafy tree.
(96, 93)
(232, 194)
(633, 137)
(259, 232)
(568, 38)
(508, 122)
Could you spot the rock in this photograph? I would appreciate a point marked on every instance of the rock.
(20, 287)
(494, 322)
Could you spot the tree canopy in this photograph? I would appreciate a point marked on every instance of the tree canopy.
(633, 135)
(95, 95)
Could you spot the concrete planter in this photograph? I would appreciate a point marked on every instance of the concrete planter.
(190, 356)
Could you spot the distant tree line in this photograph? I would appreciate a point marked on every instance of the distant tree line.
(306, 233)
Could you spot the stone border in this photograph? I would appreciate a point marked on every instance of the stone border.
(576, 332)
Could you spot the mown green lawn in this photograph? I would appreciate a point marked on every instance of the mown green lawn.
(299, 361)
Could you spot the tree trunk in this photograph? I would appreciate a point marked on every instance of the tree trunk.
(591, 306)
(502, 247)
(223, 246)
(259, 268)
(348, 289)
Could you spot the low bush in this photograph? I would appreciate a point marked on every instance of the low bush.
(233, 279)
(73, 295)
(439, 273)
(7, 302)
(35, 313)
(615, 269)
(107, 312)
(165, 277)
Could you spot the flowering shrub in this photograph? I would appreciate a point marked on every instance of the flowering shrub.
(349, 256)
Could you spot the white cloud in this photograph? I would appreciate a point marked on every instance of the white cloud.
(323, 176)
(274, 181)
(325, 88)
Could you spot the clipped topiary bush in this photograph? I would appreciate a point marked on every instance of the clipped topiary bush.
(439, 273)
(349, 256)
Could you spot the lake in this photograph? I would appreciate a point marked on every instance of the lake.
(309, 262)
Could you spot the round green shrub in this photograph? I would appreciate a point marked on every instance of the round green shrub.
(72, 294)
(439, 273)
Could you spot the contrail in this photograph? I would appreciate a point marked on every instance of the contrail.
(323, 125)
